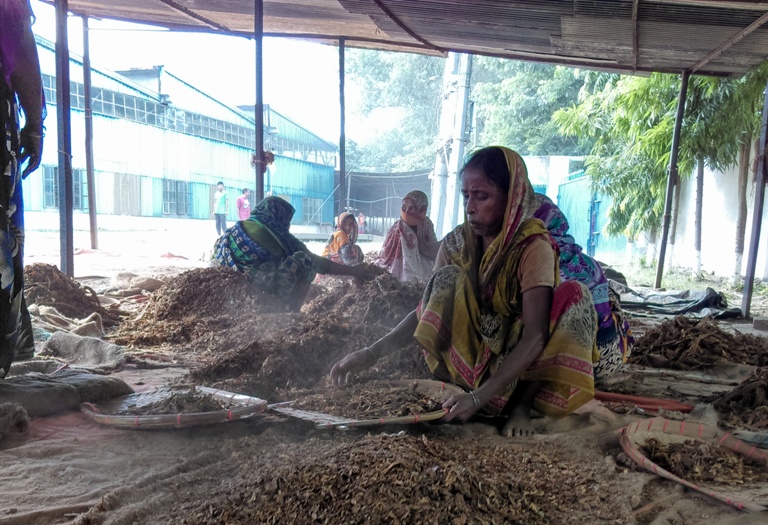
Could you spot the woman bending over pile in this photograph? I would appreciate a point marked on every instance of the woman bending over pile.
(495, 318)
(263, 248)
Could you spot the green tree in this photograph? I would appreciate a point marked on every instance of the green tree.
(515, 102)
(400, 85)
(631, 120)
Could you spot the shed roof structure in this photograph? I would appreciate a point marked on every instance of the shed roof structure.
(712, 37)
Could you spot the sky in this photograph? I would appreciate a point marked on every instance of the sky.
(300, 77)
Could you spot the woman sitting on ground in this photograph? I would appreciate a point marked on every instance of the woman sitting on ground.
(411, 246)
(614, 338)
(495, 319)
(342, 247)
(274, 260)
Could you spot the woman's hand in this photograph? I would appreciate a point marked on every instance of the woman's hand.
(344, 370)
(461, 407)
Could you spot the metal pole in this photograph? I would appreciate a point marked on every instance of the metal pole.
(342, 122)
(258, 35)
(672, 180)
(757, 212)
(89, 136)
(63, 120)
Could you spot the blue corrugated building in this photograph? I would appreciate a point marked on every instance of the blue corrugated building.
(160, 146)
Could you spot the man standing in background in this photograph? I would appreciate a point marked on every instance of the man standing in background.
(20, 82)
(243, 205)
(220, 208)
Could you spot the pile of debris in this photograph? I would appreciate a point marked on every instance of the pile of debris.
(197, 304)
(704, 462)
(372, 400)
(696, 344)
(379, 479)
(183, 401)
(300, 356)
(46, 285)
(746, 406)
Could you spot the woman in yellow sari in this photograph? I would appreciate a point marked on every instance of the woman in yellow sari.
(494, 319)
(342, 247)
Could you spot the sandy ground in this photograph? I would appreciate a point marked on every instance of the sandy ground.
(68, 469)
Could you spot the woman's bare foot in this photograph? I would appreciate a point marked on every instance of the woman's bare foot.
(519, 424)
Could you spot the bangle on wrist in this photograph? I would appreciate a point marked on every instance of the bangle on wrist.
(474, 398)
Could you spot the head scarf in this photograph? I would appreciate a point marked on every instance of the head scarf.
(521, 205)
(339, 238)
(274, 213)
(420, 200)
(495, 273)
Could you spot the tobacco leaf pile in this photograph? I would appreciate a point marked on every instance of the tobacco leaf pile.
(704, 462)
(301, 357)
(695, 344)
(195, 306)
(406, 479)
(46, 285)
(242, 340)
(746, 406)
(371, 400)
(177, 403)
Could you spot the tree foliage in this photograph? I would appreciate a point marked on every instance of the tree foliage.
(407, 88)
(631, 120)
(515, 102)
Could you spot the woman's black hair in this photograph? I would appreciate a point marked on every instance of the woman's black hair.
(493, 163)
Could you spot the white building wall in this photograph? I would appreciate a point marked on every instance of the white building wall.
(160, 153)
(718, 239)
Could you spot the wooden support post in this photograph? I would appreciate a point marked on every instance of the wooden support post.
(757, 212)
(258, 36)
(89, 169)
(343, 183)
(672, 180)
(63, 121)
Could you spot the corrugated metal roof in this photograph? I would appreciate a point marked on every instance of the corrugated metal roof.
(706, 36)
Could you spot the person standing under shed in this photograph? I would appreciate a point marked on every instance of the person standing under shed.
(243, 205)
(20, 86)
(411, 245)
(220, 208)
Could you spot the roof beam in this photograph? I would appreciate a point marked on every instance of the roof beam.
(635, 35)
(194, 16)
(725, 46)
(747, 5)
(405, 28)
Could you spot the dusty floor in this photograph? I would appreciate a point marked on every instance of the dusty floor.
(266, 469)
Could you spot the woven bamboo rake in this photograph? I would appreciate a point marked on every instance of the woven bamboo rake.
(436, 390)
(242, 407)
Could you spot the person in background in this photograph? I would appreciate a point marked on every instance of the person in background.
(495, 318)
(361, 224)
(243, 205)
(342, 247)
(220, 208)
(614, 338)
(278, 263)
(21, 81)
(411, 245)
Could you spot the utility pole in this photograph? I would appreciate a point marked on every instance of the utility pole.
(446, 187)
(89, 169)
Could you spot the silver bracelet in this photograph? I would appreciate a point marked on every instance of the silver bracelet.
(477, 403)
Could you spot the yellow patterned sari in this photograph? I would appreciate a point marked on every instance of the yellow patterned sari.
(470, 318)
